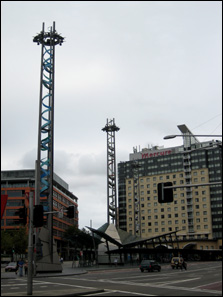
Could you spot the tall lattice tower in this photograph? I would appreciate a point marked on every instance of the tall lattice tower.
(111, 128)
(45, 150)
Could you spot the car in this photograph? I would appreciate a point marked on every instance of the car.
(178, 262)
(149, 265)
(12, 266)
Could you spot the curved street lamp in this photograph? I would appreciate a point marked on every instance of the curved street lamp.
(189, 135)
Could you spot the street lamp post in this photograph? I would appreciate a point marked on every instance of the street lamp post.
(189, 135)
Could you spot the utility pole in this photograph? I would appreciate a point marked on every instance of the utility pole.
(30, 247)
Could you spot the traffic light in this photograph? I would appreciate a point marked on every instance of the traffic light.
(22, 213)
(70, 212)
(165, 195)
(38, 216)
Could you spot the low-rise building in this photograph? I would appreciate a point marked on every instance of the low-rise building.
(18, 184)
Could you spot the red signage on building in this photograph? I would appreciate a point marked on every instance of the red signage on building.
(3, 203)
(156, 154)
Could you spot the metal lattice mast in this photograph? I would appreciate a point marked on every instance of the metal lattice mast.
(111, 128)
(44, 164)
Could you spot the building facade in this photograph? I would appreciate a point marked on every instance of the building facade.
(18, 184)
(196, 212)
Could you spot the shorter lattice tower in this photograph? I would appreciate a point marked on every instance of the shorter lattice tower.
(111, 128)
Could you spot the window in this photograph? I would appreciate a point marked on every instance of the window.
(11, 212)
(15, 202)
(14, 193)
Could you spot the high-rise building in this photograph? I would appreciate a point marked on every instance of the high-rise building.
(196, 211)
(17, 184)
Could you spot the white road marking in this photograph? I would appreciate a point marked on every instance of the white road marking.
(152, 285)
(124, 292)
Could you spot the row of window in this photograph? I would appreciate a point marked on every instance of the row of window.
(169, 229)
(167, 216)
(61, 198)
(169, 209)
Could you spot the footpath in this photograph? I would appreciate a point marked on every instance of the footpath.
(67, 271)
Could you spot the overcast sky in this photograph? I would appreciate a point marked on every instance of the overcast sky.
(151, 65)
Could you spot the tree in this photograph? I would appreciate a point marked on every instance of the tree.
(6, 242)
(14, 239)
(79, 239)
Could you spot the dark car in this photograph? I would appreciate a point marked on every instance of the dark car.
(149, 265)
(12, 266)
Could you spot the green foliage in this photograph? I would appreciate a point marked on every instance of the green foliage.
(79, 238)
(14, 239)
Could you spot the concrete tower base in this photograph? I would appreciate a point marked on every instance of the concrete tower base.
(43, 264)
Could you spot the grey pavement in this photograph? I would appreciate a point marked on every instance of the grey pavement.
(67, 271)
